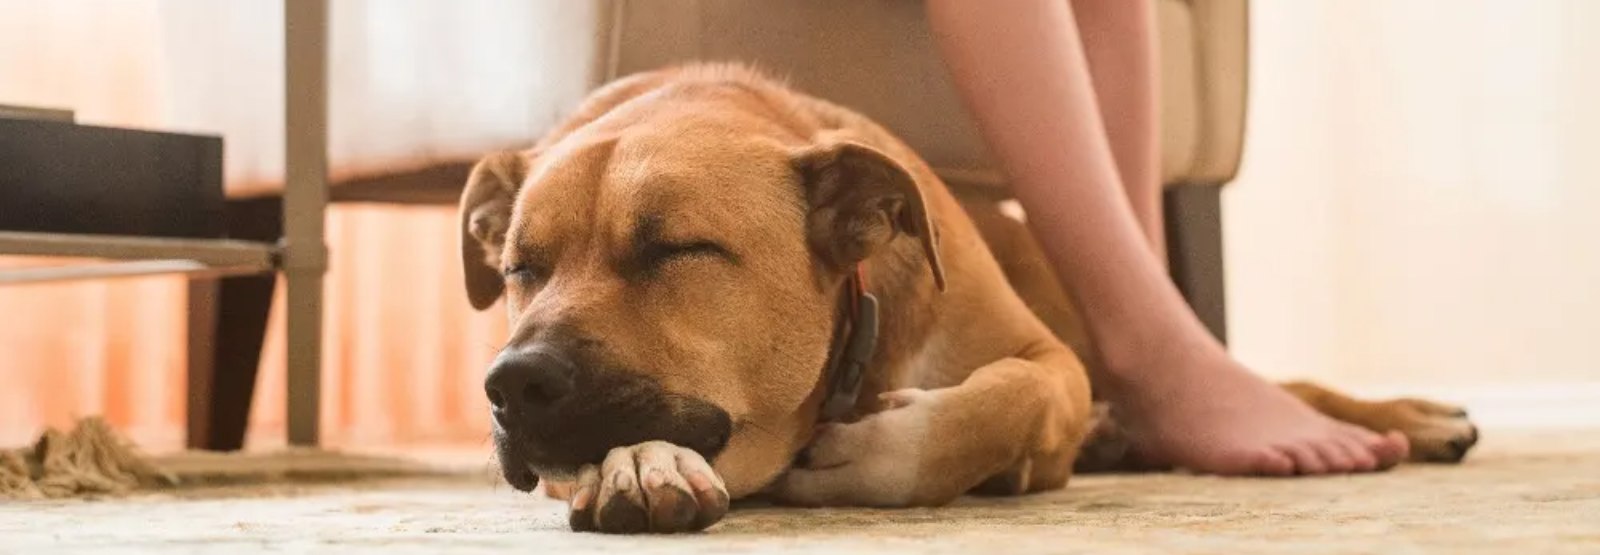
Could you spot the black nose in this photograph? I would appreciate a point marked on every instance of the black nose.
(522, 381)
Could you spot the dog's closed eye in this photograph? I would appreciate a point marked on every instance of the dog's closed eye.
(654, 255)
(525, 273)
(654, 247)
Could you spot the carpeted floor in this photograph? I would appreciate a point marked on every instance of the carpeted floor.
(1520, 493)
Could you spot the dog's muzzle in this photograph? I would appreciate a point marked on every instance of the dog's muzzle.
(553, 414)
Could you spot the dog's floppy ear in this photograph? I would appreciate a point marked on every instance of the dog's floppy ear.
(860, 199)
(485, 216)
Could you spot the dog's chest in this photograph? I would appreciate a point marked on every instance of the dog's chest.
(928, 366)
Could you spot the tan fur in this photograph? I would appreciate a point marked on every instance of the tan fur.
(967, 387)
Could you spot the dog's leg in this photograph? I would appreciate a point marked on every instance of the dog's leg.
(1436, 432)
(1013, 425)
(650, 487)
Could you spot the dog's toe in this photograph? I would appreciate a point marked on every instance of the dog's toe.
(620, 515)
(1437, 433)
(1457, 447)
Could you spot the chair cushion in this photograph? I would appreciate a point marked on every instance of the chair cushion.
(878, 58)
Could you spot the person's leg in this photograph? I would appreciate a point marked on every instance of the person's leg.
(1021, 68)
(1119, 44)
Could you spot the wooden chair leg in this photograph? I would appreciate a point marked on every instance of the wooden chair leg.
(1194, 251)
(305, 198)
(227, 326)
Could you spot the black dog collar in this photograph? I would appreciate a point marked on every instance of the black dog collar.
(855, 337)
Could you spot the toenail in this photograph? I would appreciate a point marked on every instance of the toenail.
(582, 498)
(700, 482)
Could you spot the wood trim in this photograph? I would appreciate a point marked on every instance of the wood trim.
(11, 111)
(221, 253)
(110, 270)
(438, 184)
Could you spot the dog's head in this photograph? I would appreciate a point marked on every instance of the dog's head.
(673, 281)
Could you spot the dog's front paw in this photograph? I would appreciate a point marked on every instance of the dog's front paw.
(652, 487)
(1437, 432)
(872, 462)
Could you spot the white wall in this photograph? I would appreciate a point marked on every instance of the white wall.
(1419, 205)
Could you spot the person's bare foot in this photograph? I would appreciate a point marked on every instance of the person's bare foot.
(1209, 414)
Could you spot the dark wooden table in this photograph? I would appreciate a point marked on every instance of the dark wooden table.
(82, 181)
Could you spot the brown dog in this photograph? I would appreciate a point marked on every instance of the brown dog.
(691, 263)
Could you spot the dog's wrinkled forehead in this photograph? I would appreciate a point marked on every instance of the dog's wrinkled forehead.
(685, 182)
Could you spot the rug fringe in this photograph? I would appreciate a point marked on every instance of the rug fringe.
(91, 459)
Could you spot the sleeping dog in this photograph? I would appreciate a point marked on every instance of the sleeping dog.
(719, 287)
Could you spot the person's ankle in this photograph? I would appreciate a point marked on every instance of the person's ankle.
(1140, 361)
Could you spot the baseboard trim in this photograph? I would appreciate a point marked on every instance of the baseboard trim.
(1547, 406)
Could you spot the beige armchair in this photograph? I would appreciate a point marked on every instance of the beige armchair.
(351, 138)
(878, 58)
